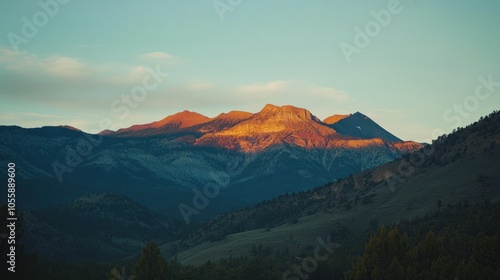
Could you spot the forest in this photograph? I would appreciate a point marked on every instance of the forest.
(459, 241)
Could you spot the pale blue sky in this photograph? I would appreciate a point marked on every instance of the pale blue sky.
(409, 76)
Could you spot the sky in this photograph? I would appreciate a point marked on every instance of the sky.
(418, 68)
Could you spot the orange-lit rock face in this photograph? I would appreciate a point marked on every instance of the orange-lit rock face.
(224, 121)
(273, 119)
(408, 146)
(335, 118)
(184, 119)
(180, 120)
(234, 115)
(356, 143)
(271, 126)
(275, 125)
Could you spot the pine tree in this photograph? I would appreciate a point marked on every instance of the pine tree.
(151, 264)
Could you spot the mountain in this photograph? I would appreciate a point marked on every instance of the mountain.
(106, 132)
(70, 127)
(168, 125)
(271, 126)
(457, 171)
(223, 121)
(99, 226)
(165, 164)
(359, 126)
(335, 118)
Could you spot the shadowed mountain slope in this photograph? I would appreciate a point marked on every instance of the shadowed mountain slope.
(360, 126)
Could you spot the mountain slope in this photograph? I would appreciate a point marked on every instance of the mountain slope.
(98, 226)
(360, 126)
(223, 121)
(290, 125)
(335, 118)
(168, 125)
(273, 125)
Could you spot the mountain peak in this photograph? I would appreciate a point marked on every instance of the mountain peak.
(183, 119)
(287, 112)
(273, 125)
(70, 127)
(223, 121)
(270, 107)
(360, 126)
(106, 132)
(359, 114)
(234, 115)
(335, 118)
(170, 124)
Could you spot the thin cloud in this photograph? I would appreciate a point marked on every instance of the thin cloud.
(157, 55)
(56, 66)
(132, 77)
(329, 93)
(65, 67)
(31, 67)
(59, 83)
(390, 110)
(200, 86)
(49, 116)
(59, 66)
(273, 86)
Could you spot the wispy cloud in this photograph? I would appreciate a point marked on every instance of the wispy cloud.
(130, 76)
(47, 116)
(61, 66)
(61, 82)
(390, 110)
(157, 55)
(65, 67)
(56, 66)
(201, 86)
(329, 93)
(268, 87)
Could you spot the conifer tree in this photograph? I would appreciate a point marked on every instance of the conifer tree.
(151, 264)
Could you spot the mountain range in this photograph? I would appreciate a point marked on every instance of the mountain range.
(249, 157)
(272, 126)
